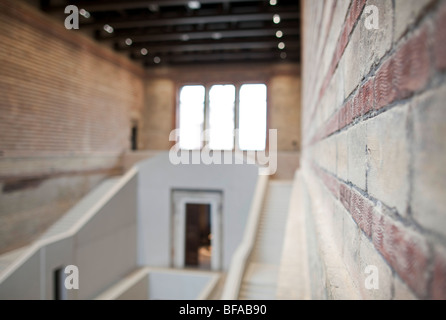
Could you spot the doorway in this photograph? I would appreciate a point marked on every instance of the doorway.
(197, 230)
(198, 247)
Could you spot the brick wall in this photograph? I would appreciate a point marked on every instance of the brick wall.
(374, 128)
(283, 81)
(66, 105)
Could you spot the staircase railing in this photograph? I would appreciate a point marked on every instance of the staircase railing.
(241, 256)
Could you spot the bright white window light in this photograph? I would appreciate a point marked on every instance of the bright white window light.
(191, 117)
(252, 117)
(276, 19)
(279, 34)
(221, 117)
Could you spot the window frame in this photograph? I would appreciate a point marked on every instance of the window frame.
(207, 87)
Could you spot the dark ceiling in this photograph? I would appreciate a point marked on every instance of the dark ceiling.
(175, 32)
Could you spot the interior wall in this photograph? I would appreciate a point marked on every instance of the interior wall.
(373, 138)
(66, 106)
(158, 178)
(158, 115)
(283, 81)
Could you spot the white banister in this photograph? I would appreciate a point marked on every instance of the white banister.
(241, 255)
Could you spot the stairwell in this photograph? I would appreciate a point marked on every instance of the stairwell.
(262, 271)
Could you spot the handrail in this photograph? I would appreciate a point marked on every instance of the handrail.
(240, 258)
(73, 229)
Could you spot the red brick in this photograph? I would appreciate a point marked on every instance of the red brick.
(440, 39)
(406, 251)
(352, 17)
(345, 115)
(332, 184)
(354, 13)
(378, 231)
(439, 275)
(385, 91)
(326, 82)
(361, 210)
(342, 44)
(332, 125)
(368, 96)
(329, 181)
(411, 64)
(345, 195)
(356, 106)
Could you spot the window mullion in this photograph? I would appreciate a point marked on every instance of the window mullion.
(206, 109)
(236, 116)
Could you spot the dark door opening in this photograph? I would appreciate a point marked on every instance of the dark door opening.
(59, 290)
(134, 138)
(198, 236)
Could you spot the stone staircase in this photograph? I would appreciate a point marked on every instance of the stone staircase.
(261, 276)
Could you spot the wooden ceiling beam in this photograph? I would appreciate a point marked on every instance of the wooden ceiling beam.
(200, 35)
(218, 58)
(229, 18)
(254, 45)
(92, 6)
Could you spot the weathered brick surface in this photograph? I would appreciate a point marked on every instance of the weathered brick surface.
(404, 249)
(440, 39)
(362, 211)
(364, 102)
(389, 136)
(369, 257)
(66, 105)
(385, 89)
(406, 13)
(402, 291)
(439, 275)
(352, 236)
(388, 158)
(429, 149)
(375, 43)
(342, 156)
(412, 64)
(357, 156)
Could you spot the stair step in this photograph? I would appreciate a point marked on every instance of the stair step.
(260, 281)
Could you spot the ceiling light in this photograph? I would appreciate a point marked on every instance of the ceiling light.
(281, 45)
(283, 55)
(108, 28)
(273, 2)
(153, 7)
(217, 36)
(279, 34)
(84, 13)
(194, 5)
(128, 41)
(144, 51)
(185, 37)
(157, 60)
(276, 19)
